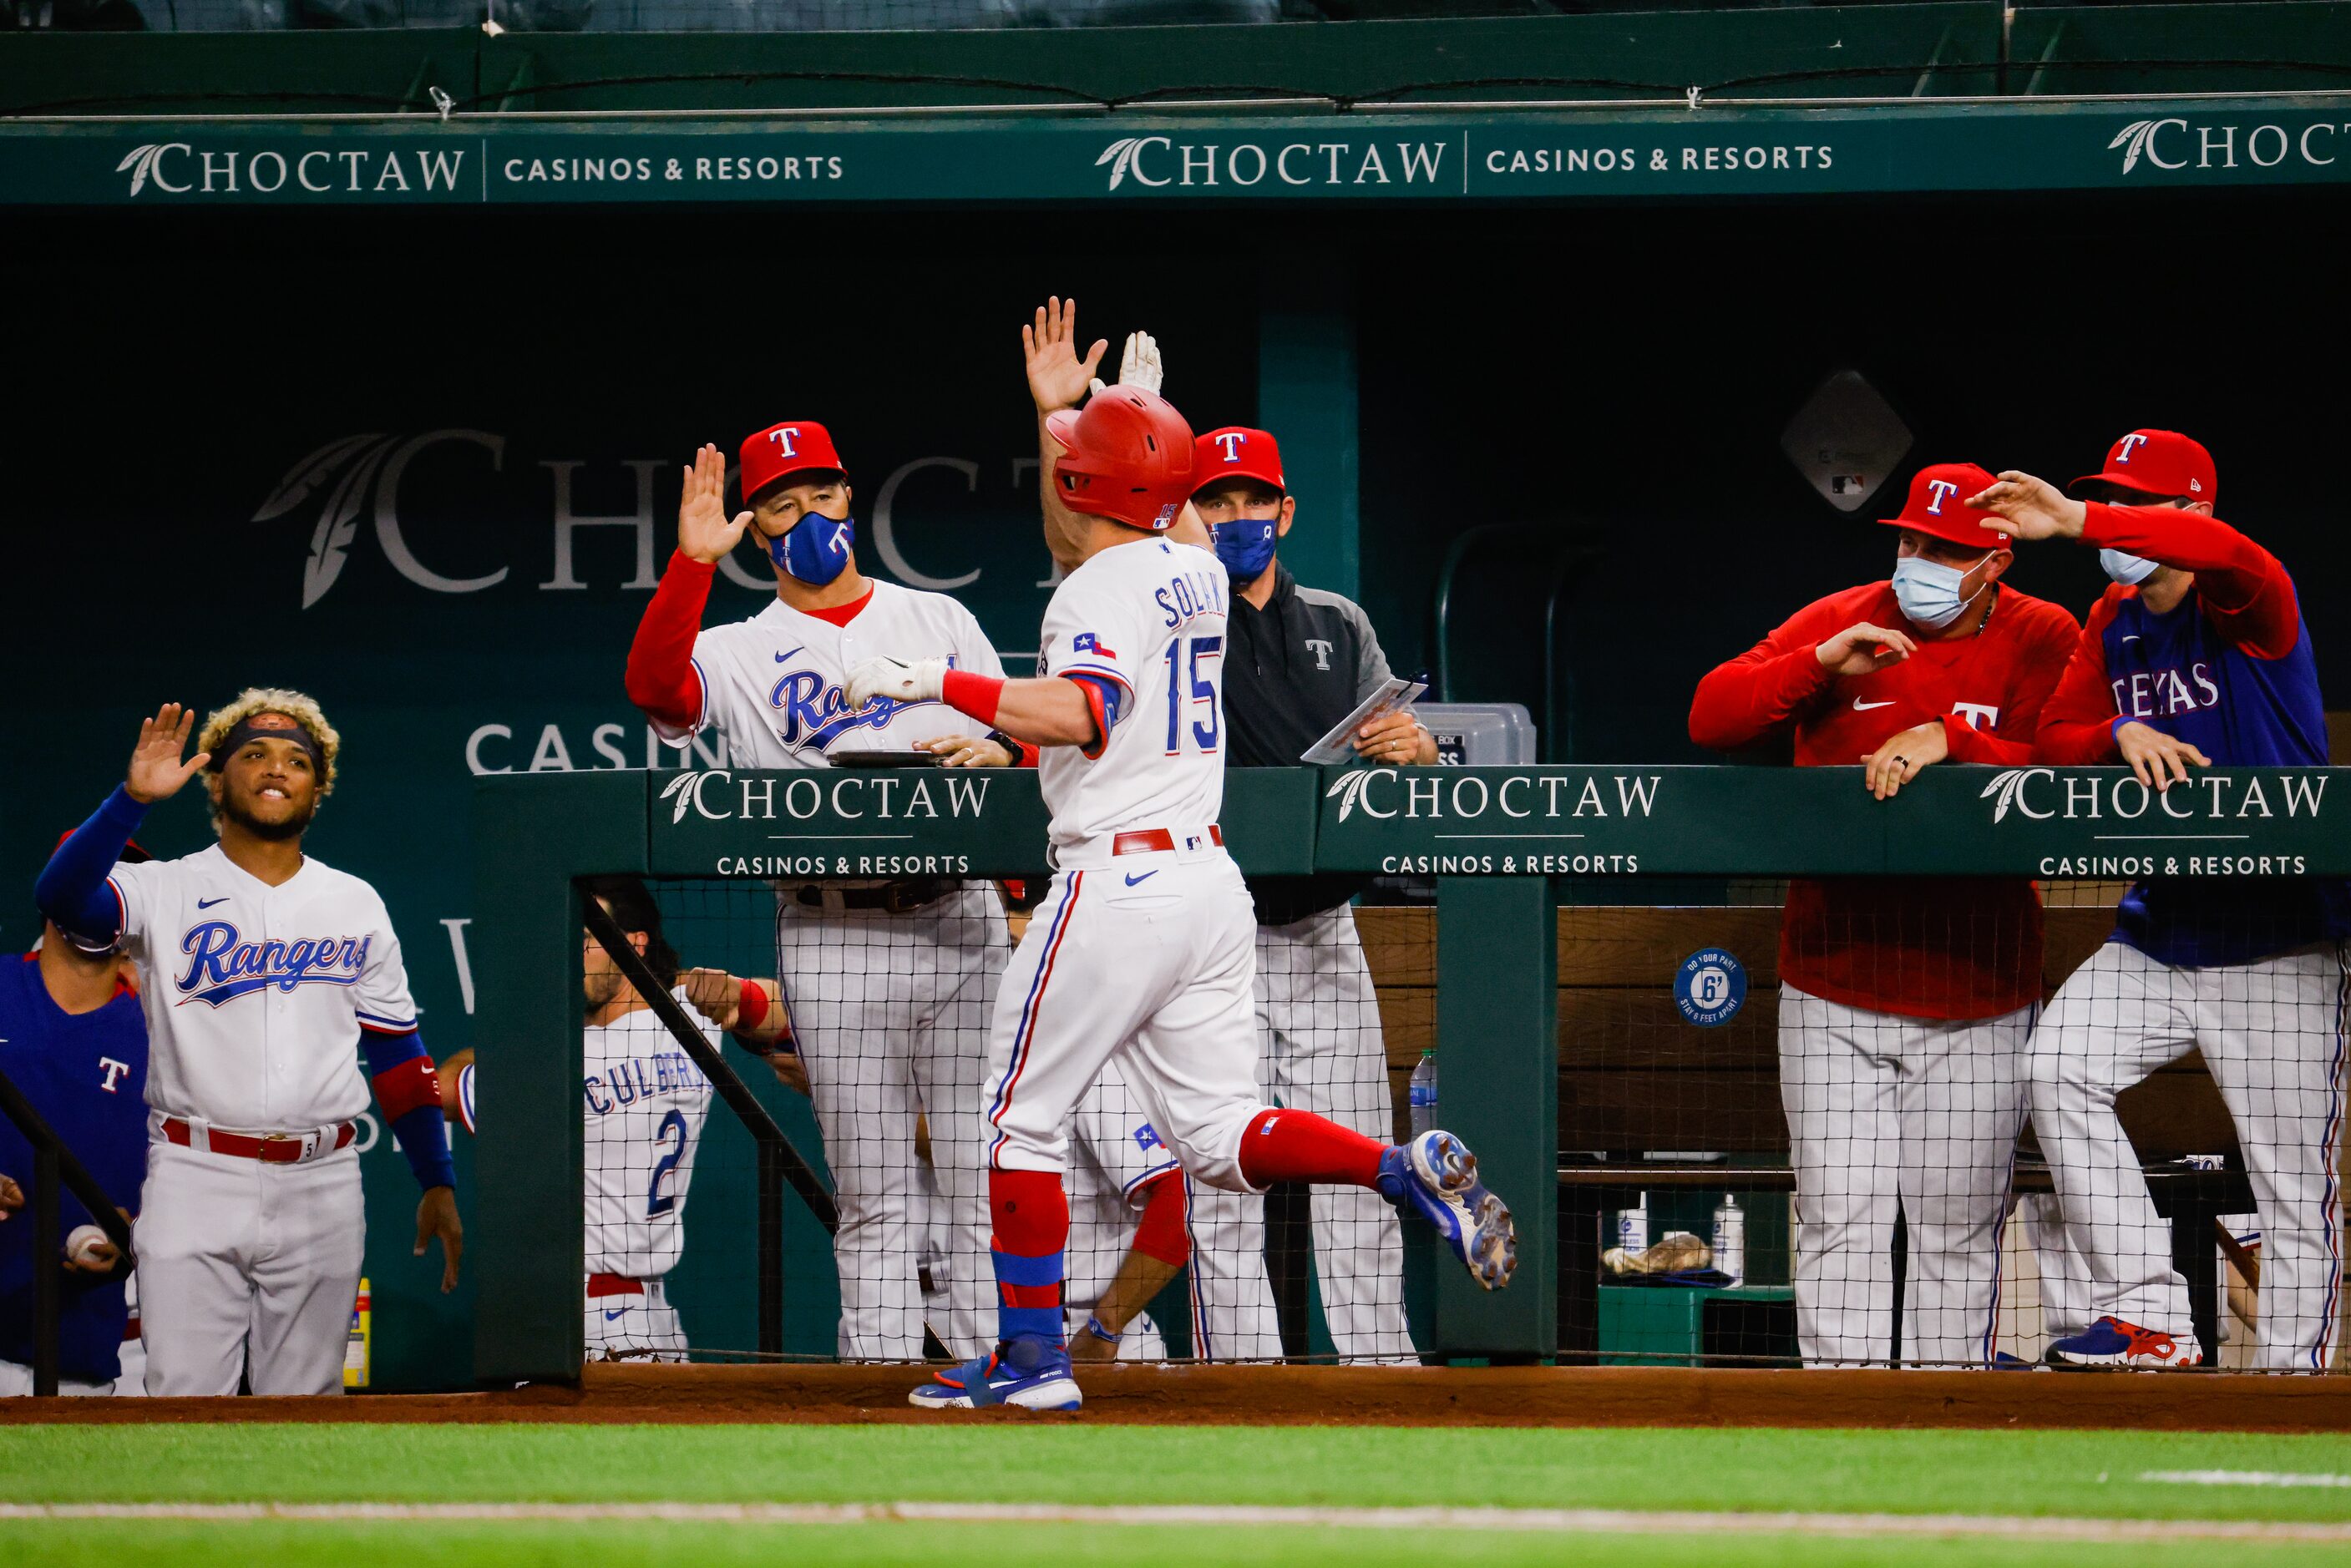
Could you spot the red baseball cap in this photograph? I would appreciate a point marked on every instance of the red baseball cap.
(1938, 505)
(2159, 463)
(1237, 451)
(787, 449)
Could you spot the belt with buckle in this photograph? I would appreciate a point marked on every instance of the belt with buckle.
(270, 1148)
(891, 898)
(1152, 840)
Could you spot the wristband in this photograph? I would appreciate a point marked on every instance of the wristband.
(1094, 1326)
(751, 1011)
(976, 695)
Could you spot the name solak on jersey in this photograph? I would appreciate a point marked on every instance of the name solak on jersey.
(223, 966)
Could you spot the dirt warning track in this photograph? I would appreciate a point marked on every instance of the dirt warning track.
(1339, 1396)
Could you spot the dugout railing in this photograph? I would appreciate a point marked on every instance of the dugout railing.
(1544, 877)
(56, 1172)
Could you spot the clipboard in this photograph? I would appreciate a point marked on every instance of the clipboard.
(1339, 745)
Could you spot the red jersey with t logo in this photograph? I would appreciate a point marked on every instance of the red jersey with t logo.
(1942, 949)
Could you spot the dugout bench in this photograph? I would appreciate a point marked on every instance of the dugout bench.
(1538, 960)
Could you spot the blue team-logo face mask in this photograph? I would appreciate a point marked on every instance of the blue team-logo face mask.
(1245, 545)
(817, 549)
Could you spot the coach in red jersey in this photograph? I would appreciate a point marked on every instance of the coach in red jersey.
(1904, 1007)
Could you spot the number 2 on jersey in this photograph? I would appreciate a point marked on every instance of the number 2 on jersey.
(1184, 656)
(657, 1202)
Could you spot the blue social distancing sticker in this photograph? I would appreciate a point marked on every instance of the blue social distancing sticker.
(1710, 987)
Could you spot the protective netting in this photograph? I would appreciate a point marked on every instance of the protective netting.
(1917, 1124)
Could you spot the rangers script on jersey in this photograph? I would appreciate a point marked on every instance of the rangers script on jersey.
(255, 995)
(772, 684)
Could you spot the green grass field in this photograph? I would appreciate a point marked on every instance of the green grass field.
(1976, 1483)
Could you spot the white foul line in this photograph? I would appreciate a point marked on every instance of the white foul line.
(1589, 1520)
(2244, 1478)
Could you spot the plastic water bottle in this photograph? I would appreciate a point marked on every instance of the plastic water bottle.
(1633, 1228)
(1730, 1238)
(1421, 1096)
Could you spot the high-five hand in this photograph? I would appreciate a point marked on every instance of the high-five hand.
(705, 533)
(1058, 378)
(1139, 366)
(156, 771)
(2023, 507)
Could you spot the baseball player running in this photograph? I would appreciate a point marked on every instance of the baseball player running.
(267, 970)
(1142, 949)
(74, 1043)
(2197, 655)
(1904, 1007)
(1299, 661)
(889, 984)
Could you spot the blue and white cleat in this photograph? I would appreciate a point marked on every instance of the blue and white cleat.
(2111, 1341)
(1025, 1372)
(1436, 1175)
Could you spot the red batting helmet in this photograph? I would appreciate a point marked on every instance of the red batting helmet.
(1128, 458)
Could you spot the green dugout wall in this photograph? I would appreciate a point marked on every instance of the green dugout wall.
(1495, 839)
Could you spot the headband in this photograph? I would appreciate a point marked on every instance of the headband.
(258, 727)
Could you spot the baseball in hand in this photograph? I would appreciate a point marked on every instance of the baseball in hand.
(88, 1248)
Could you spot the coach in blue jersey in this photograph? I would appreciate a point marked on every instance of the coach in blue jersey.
(2197, 655)
(74, 1043)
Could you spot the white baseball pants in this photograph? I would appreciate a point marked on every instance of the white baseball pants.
(1887, 1111)
(247, 1269)
(2272, 1035)
(636, 1327)
(1148, 961)
(891, 1012)
(1319, 1049)
(16, 1383)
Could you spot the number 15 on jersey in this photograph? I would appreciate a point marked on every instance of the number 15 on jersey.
(1192, 694)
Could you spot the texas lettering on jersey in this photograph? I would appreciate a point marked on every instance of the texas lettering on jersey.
(223, 966)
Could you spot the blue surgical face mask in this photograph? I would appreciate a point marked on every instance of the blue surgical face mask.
(2127, 570)
(1245, 545)
(817, 549)
(1928, 591)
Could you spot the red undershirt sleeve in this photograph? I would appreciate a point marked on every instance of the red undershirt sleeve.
(661, 680)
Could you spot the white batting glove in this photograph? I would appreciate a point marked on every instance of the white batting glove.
(895, 679)
(1139, 366)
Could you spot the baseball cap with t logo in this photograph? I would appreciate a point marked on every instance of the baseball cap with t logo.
(2159, 463)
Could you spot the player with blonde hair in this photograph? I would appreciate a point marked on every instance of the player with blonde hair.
(269, 971)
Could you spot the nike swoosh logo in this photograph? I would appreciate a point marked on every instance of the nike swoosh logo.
(786, 658)
(208, 903)
(1131, 881)
(1861, 707)
(614, 1317)
(2133, 639)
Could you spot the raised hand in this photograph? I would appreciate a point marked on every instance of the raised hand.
(1139, 366)
(156, 771)
(2023, 507)
(1058, 377)
(1862, 648)
(705, 532)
